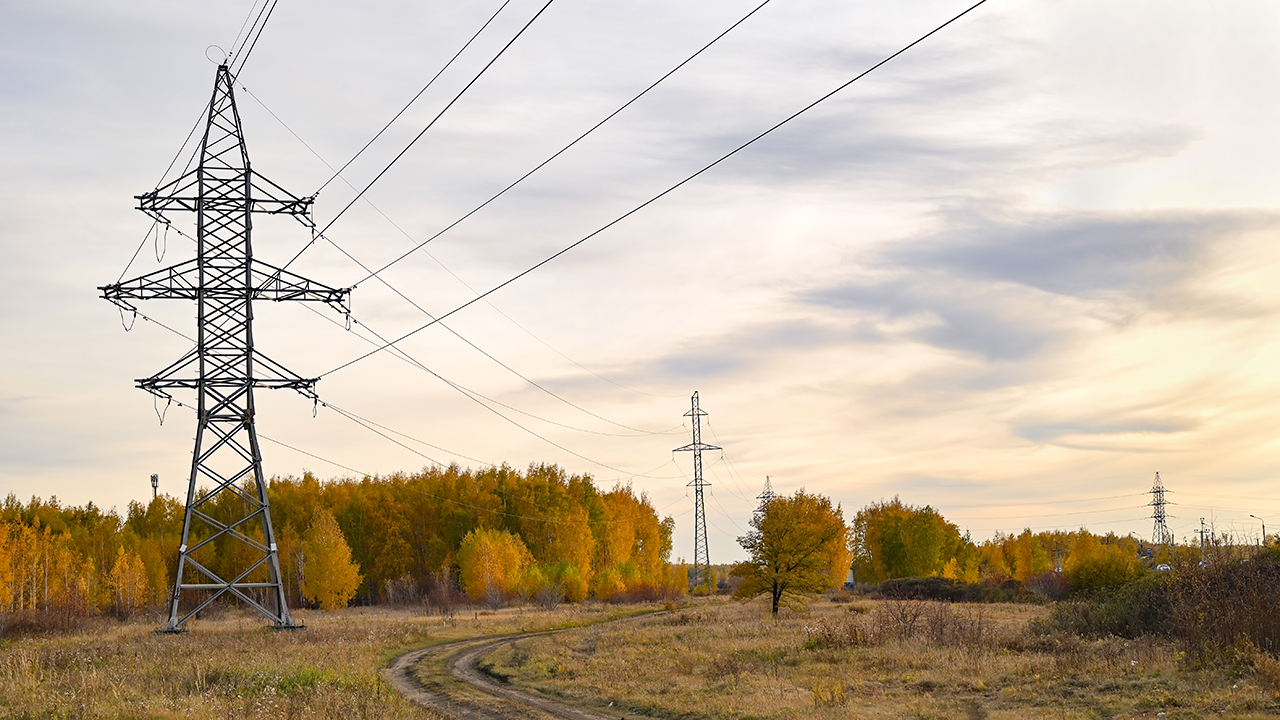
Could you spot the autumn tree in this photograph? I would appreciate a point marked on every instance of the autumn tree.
(6, 568)
(128, 583)
(1091, 566)
(799, 547)
(492, 564)
(893, 540)
(329, 576)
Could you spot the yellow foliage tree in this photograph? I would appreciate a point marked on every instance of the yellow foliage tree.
(492, 564)
(128, 583)
(6, 568)
(800, 547)
(1090, 566)
(330, 577)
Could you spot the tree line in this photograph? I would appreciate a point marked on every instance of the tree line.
(890, 540)
(499, 534)
(492, 534)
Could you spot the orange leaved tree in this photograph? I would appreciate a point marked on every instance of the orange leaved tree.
(799, 548)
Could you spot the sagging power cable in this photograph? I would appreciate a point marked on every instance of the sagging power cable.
(575, 141)
(664, 193)
(418, 137)
(414, 99)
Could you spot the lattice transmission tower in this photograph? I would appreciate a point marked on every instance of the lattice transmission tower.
(224, 367)
(766, 496)
(1160, 533)
(701, 559)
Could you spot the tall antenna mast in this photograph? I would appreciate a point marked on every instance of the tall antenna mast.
(701, 560)
(1160, 534)
(224, 367)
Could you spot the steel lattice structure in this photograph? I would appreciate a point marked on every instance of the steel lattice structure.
(701, 559)
(767, 496)
(1160, 533)
(224, 367)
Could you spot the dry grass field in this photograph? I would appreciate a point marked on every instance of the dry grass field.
(864, 659)
(231, 666)
(713, 659)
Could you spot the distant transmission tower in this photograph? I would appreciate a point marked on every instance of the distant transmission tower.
(701, 560)
(224, 367)
(1160, 533)
(767, 495)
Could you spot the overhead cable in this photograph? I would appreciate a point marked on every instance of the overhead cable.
(575, 141)
(662, 194)
(418, 307)
(256, 32)
(414, 99)
(418, 137)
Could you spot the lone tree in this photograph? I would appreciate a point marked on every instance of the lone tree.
(798, 549)
(330, 577)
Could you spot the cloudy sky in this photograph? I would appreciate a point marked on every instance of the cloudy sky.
(1012, 274)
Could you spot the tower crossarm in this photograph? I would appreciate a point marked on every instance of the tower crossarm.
(225, 377)
(697, 446)
(264, 196)
(183, 282)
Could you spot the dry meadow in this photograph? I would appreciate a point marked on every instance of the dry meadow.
(711, 659)
(872, 659)
(231, 666)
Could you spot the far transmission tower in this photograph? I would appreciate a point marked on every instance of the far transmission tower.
(701, 560)
(1160, 533)
(224, 367)
(765, 496)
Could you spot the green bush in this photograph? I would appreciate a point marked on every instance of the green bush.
(946, 589)
(1144, 606)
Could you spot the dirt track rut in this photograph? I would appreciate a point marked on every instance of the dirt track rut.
(461, 664)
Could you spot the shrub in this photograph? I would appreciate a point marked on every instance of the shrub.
(1222, 610)
(948, 590)
(1142, 607)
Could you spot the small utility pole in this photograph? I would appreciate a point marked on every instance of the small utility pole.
(1202, 532)
(1264, 528)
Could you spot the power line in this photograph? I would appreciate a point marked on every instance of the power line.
(1062, 527)
(1046, 515)
(1044, 502)
(245, 24)
(575, 141)
(440, 72)
(242, 59)
(504, 366)
(356, 418)
(420, 134)
(480, 400)
(474, 395)
(373, 430)
(447, 327)
(733, 469)
(666, 192)
(313, 455)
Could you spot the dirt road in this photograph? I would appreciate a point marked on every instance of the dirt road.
(507, 703)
